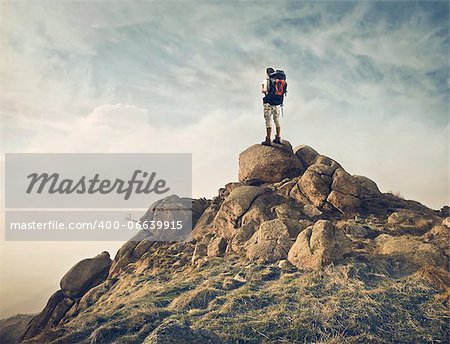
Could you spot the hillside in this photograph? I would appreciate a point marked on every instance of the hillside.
(297, 251)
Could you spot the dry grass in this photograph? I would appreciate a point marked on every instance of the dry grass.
(329, 307)
(332, 306)
(435, 277)
(195, 299)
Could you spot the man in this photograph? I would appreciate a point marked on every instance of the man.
(273, 88)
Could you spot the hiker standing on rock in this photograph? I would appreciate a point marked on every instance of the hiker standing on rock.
(274, 89)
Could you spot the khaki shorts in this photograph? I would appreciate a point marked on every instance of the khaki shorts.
(272, 111)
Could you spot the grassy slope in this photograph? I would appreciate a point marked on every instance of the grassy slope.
(342, 304)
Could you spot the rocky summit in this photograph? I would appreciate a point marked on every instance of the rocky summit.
(297, 251)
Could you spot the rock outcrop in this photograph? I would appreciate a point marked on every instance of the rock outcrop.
(173, 208)
(318, 246)
(273, 240)
(84, 275)
(293, 211)
(262, 164)
(413, 252)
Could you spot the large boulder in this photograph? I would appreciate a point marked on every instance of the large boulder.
(314, 187)
(306, 154)
(85, 274)
(345, 192)
(273, 239)
(367, 187)
(261, 210)
(411, 250)
(345, 183)
(346, 204)
(233, 208)
(174, 331)
(268, 164)
(318, 246)
(173, 208)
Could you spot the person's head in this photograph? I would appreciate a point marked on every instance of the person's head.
(269, 71)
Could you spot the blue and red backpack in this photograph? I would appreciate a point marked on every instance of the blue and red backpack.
(277, 88)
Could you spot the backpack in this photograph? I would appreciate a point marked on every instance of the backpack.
(277, 88)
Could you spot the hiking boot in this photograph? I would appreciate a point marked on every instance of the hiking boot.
(277, 140)
(266, 142)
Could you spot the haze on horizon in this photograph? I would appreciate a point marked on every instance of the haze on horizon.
(368, 86)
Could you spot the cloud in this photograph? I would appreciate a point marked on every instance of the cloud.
(192, 74)
(349, 64)
(218, 137)
(214, 140)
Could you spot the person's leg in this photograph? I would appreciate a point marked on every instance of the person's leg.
(268, 133)
(267, 118)
(276, 119)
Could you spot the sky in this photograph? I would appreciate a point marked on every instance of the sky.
(368, 86)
